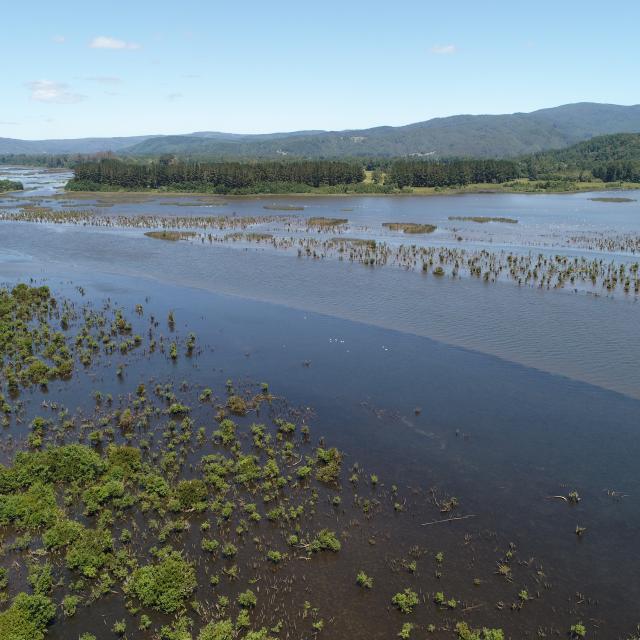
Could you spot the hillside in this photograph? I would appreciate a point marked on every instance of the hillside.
(479, 136)
(621, 147)
(482, 136)
(70, 146)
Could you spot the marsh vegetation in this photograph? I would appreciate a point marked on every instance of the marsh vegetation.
(484, 219)
(410, 227)
(186, 512)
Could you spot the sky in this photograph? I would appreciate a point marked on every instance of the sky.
(76, 69)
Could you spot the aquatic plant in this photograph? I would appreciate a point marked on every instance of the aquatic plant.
(406, 600)
(364, 580)
(464, 632)
(164, 585)
(406, 630)
(410, 227)
(484, 219)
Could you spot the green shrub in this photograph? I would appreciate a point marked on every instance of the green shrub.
(27, 617)
(163, 586)
(405, 601)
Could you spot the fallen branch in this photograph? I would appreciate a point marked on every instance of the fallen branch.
(426, 524)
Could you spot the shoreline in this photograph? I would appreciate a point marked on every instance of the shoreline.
(416, 191)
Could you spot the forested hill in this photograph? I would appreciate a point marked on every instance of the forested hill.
(478, 136)
(621, 147)
(484, 136)
(610, 158)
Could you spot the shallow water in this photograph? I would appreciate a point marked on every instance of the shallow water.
(584, 337)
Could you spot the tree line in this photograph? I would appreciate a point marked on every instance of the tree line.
(425, 173)
(625, 171)
(226, 176)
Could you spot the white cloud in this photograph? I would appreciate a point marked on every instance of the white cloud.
(444, 49)
(59, 39)
(54, 92)
(104, 42)
(173, 96)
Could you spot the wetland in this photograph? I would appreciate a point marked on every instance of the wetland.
(298, 422)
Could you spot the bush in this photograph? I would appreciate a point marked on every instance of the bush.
(34, 508)
(325, 540)
(163, 586)
(405, 601)
(27, 617)
(247, 599)
(90, 551)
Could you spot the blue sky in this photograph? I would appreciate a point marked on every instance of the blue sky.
(74, 69)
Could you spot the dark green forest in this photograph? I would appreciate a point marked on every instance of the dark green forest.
(221, 177)
(421, 173)
(609, 158)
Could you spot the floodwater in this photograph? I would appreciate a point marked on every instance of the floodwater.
(523, 393)
(588, 335)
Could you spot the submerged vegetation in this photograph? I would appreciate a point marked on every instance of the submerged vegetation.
(172, 236)
(410, 227)
(484, 219)
(322, 222)
(182, 512)
(534, 269)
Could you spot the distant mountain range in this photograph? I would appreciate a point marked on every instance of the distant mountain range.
(481, 136)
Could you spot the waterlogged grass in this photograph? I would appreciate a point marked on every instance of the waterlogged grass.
(410, 227)
(484, 219)
(356, 242)
(283, 207)
(171, 236)
(612, 199)
(88, 217)
(532, 269)
(322, 222)
(249, 237)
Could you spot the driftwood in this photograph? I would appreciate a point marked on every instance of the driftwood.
(426, 524)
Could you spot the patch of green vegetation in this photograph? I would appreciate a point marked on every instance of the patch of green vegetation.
(410, 227)
(10, 185)
(322, 222)
(27, 618)
(612, 199)
(325, 540)
(363, 580)
(484, 219)
(171, 236)
(164, 585)
(405, 601)
(466, 633)
(329, 464)
(283, 207)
